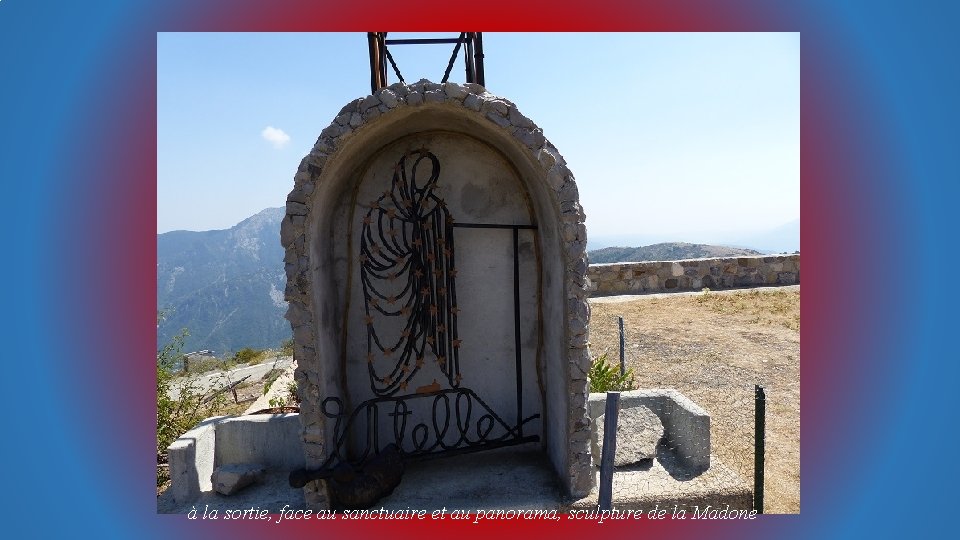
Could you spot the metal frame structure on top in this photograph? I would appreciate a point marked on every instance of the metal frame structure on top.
(472, 43)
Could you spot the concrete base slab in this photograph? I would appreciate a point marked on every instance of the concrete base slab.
(660, 482)
(271, 494)
(518, 477)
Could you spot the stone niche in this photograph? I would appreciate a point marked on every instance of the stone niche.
(435, 273)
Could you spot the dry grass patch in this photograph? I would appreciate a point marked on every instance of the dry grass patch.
(780, 308)
(714, 347)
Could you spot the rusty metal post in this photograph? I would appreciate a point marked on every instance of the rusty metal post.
(623, 360)
(605, 499)
(373, 44)
(759, 438)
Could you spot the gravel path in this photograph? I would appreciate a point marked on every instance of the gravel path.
(214, 379)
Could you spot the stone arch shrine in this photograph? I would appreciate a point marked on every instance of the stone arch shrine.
(435, 259)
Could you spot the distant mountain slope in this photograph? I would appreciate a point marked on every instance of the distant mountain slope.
(666, 251)
(225, 287)
(785, 238)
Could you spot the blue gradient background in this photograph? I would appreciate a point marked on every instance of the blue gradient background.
(880, 174)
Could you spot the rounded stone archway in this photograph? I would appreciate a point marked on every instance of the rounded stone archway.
(494, 165)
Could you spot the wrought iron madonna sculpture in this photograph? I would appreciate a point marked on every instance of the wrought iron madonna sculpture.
(408, 272)
(410, 311)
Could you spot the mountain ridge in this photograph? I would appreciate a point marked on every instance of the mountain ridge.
(226, 285)
(664, 251)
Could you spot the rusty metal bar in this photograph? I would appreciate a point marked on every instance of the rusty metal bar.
(393, 64)
(492, 226)
(468, 58)
(453, 57)
(383, 60)
(478, 59)
(422, 41)
(516, 327)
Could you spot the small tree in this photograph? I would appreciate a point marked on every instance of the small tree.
(186, 408)
(167, 426)
(605, 377)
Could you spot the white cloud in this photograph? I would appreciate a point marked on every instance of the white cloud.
(275, 136)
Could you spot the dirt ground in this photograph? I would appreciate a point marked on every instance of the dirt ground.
(714, 348)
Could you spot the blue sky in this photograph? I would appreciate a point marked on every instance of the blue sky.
(672, 137)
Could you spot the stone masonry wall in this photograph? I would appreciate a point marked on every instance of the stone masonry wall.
(692, 274)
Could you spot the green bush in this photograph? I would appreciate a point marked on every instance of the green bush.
(605, 377)
(292, 398)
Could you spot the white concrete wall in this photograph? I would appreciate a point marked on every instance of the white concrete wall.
(270, 440)
(478, 186)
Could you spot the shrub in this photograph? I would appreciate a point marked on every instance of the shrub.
(250, 356)
(286, 347)
(293, 390)
(291, 399)
(605, 376)
(269, 378)
(705, 296)
(199, 364)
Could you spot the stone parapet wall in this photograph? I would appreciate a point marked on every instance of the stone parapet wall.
(692, 274)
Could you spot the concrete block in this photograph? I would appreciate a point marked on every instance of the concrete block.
(191, 459)
(272, 440)
(686, 426)
(229, 479)
(638, 432)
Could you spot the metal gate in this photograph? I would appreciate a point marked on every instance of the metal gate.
(408, 276)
